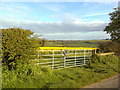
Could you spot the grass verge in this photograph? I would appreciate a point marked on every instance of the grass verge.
(27, 76)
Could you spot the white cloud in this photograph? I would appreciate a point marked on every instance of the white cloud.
(67, 17)
(97, 14)
(15, 8)
(54, 7)
(63, 30)
(78, 36)
(68, 27)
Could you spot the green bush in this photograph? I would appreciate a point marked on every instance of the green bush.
(18, 45)
(110, 47)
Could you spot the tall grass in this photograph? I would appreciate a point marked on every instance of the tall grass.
(29, 76)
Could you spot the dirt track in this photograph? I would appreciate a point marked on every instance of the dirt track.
(107, 83)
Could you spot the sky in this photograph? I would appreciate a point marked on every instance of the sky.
(59, 20)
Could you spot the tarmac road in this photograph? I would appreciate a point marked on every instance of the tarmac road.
(107, 83)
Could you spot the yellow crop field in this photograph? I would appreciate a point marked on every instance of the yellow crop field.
(65, 48)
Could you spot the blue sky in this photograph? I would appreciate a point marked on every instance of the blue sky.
(59, 20)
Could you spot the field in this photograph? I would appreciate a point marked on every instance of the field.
(74, 43)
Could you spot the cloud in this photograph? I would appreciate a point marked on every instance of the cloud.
(78, 36)
(67, 17)
(54, 7)
(59, 29)
(15, 10)
(68, 25)
(97, 14)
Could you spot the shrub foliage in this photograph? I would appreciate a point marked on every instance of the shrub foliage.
(18, 45)
(110, 46)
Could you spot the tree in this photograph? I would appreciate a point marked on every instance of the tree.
(43, 42)
(17, 46)
(113, 27)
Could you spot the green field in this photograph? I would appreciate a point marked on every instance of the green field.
(74, 43)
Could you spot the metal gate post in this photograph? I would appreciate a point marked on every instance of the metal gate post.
(95, 51)
(53, 61)
(64, 61)
(84, 57)
(38, 54)
(75, 57)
